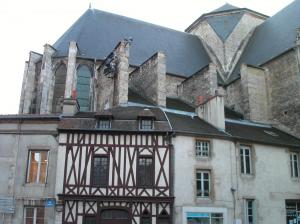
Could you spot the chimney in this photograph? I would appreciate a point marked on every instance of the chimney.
(212, 110)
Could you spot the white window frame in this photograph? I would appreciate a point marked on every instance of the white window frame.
(34, 213)
(199, 148)
(39, 166)
(202, 172)
(247, 211)
(292, 161)
(243, 159)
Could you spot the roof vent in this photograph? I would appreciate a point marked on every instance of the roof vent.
(271, 133)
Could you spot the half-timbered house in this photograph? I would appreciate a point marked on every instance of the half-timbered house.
(116, 167)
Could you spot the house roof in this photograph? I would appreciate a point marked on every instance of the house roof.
(97, 33)
(272, 38)
(260, 134)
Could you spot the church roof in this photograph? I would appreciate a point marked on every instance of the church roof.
(97, 33)
(225, 7)
(274, 37)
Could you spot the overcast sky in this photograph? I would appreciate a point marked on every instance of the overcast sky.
(26, 25)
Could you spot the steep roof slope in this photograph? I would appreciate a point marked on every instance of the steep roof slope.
(275, 36)
(225, 7)
(97, 33)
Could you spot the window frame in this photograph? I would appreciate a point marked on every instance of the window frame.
(34, 218)
(98, 126)
(201, 156)
(92, 183)
(292, 165)
(243, 162)
(146, 119)
(246, 210)
(29, 166)
(202, 180)
(152, 183)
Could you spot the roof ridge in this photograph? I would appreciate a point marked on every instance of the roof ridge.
(142, 21)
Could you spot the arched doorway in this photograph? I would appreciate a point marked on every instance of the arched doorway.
(114, 216)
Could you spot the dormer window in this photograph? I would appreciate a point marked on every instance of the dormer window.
(146, 124)
(104, 124)
(103, 120)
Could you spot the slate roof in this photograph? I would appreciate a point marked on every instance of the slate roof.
(272, 38)
(192, 125)
(223, 25)
(261, 134)
(225, 7)
(97, 33)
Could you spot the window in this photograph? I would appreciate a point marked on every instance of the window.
(104, 124)
(145, 172)
(83, 87)
(204, 217)
(249, 211)
(37, 166)
(292, 211)
(146, 124)
(203, 183)
(59, 88)
(245, 153)
(202, 148)
(294, 160)
(99, 172)
(34, 215)
(114, 214)
(89, 219)
(146, 218)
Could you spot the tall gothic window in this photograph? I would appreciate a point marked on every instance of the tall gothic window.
(59, 88)
(83, 87)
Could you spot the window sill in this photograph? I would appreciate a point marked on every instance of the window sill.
(203, 200)
(35, 184)
(249, 176)
(295, 179)
(199, 158)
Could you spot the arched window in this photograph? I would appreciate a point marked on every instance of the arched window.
(59, 88)
(83, 87)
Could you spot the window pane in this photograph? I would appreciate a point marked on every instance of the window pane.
(146, 220)
(202, 183)
(145, 172)
(100, 171)
(90, 220)
(43, 167)
(146, 124)
(248, 168)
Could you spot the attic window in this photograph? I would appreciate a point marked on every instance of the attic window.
(104, 123)
(271, 133)
(146, 124)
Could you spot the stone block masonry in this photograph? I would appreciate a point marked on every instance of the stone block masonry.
(149, 79)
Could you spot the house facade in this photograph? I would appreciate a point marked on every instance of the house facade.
(116, 125)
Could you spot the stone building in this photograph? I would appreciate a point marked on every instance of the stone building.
(122, 121)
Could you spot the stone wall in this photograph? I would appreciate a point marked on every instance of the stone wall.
(284, 90)
(225, 54)
(172, 83)
(149, 80)
(203, 83)
(255, 93)
(17, 137)
(233, 97)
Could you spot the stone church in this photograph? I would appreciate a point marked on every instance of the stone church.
(123, 121)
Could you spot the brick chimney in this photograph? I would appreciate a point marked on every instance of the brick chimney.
(212, 110)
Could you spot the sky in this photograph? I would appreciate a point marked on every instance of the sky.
(28, 25)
